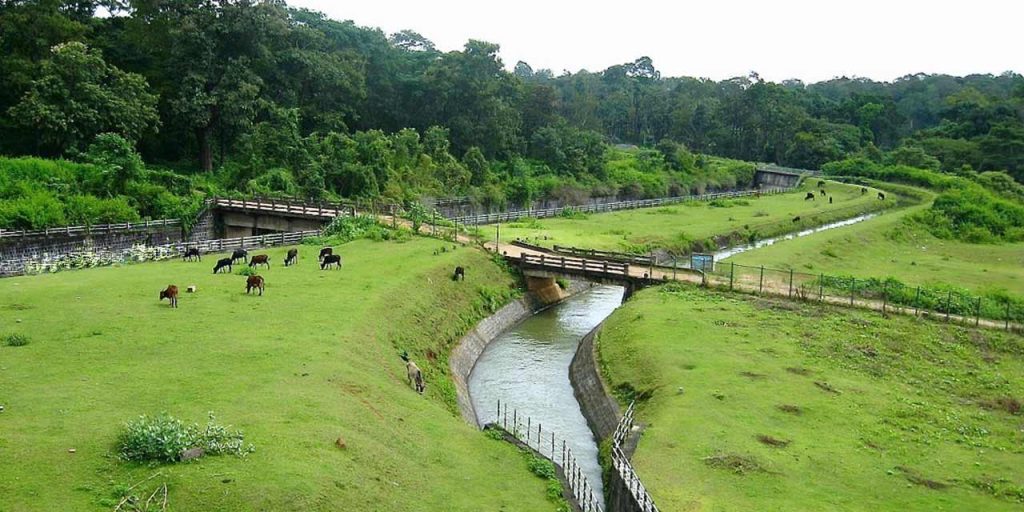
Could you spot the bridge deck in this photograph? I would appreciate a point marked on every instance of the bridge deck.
(272, 206)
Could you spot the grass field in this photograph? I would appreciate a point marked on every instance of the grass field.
(888, 246)
(315, 358)
(762, 405)
(676, 227)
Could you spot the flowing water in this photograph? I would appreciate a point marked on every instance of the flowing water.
(731, 251)
(527, 367)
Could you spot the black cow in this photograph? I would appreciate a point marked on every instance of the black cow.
(293, 257)
(863, 190)
(829, 199)
(460, 273)
(796, 219)
(330, 259)
(881, 196)
(326, 251)
(192, 253)
(809, 196)
(822, 191)
(223, 263)
(239, 254)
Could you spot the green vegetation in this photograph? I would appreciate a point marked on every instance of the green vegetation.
(309, 371)
(699, 226)
(892, 246)
(753, 404)
(15, 340)
(163, 438)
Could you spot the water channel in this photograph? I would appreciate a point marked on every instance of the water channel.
(527, 367)
(732, 251)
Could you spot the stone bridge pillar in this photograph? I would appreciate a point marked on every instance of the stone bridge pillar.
(546, 288)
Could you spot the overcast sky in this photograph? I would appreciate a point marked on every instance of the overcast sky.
(779, 39)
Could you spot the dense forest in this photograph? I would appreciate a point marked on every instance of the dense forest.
(156, 100)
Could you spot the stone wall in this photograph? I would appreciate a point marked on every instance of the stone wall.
(16, 252)
(600, 410)
(465, 354)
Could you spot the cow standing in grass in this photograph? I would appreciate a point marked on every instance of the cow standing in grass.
(460, 274)
(809, 196)
(254, 283)
(171, 294)
(192, 254)
(223, 263)
(325, 252)
(259, 259)
(331, 259)
(239, 254)
(415, 376)
(292, 258)
(881, 196)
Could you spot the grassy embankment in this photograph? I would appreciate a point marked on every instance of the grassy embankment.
(762, 405)
(689, 226)
(315, 358)
(891, 246)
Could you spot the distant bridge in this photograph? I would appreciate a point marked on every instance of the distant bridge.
(232, 218)
(633, 277)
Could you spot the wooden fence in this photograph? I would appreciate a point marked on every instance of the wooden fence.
(572, 265)
(97, 229)
(285, 206)
(606, 255)
(624, 468)
(491, 218)
(244, 242)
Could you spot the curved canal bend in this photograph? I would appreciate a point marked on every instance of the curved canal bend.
(527, 367)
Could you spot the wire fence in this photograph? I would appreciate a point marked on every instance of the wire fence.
(624, 467)
(549, 446)
(885, 295)
(491, 218)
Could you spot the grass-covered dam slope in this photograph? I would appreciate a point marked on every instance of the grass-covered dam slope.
(314, 359)
(690, 226)
(754, 404)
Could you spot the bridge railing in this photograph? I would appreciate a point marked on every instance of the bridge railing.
(605, 255)
(575, 265)
(286, 206)
(96, 229)
(509, 216)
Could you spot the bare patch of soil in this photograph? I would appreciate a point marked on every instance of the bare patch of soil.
(790, 409)
(915, 478)
(772, 441)
(738, 464)
(826, 387)
(798, 371)
(752, 375)
(1003, 403)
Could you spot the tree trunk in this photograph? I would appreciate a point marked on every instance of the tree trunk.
(205, 155)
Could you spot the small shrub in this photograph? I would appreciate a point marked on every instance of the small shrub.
(16, 340)
(573, 213)
(543, 468)
(562, 282)
(246, 271)
(162, 438)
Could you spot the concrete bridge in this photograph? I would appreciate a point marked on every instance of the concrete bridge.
(773, 176)
(541, 270)
(231, 218)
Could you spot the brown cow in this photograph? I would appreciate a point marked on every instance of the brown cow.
(293, 257)
(260, 259)
(171, 293)
(254, 283)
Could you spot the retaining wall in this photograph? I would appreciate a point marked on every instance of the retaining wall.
(465, 354)
(16, 252)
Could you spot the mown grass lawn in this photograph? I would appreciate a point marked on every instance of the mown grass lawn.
(887, 246)
(315, 358)
(765, 405)
(676, 225)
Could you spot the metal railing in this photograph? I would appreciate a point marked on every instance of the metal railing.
(624, 468)
(557, 451)
(491, 218)
(96, 229)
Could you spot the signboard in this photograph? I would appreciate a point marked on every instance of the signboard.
(702, 261)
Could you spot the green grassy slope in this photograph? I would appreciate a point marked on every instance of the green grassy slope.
(315, 358)
(878, 413)
(888, 246)
(671, 226)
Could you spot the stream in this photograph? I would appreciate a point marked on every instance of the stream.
(732, 251)
(527, 367)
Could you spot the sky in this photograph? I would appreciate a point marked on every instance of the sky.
(719, 39)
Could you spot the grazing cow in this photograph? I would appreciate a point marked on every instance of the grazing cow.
(796, 219)
(822, 191)
(809, 196)
(460, 273)
(239, 254)
(881, 196)
(260, 259)
(223, 263)
(829, 199)
(863, 190)
(192, 253)
(326, 251)
(254, 283)
(171, 293)
(415, 376)
(330, 259)
(293, 257)
(821, 183)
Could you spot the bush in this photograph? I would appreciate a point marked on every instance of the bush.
(246, 271)
(541, 467)
(162, 438)
(16, 340)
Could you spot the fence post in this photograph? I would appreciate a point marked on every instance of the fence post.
(732, 272)
(917, 301)
(790, 283)
(885, 295)
(1007, 315)
(977, 313)
(760, 284)
(853, 288)
(821, 288)
(949, 303)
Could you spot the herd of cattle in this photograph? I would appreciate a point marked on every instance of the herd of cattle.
(254, 283)
(821, 190)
